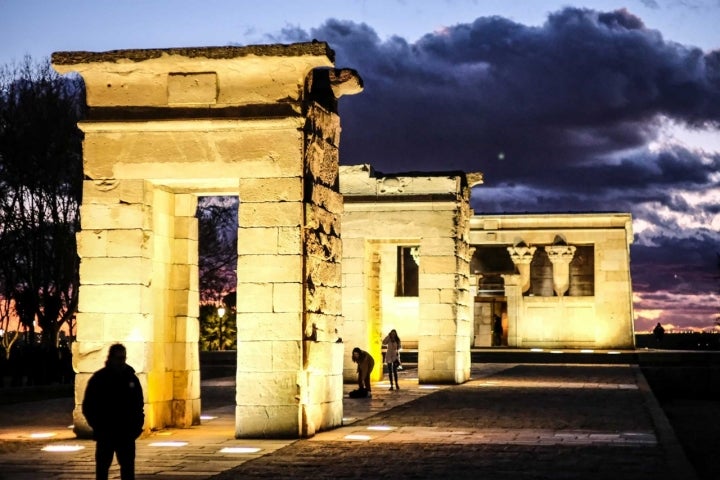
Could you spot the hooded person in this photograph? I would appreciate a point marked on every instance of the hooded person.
(114, 407)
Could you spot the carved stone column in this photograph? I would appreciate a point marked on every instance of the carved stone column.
(521, 255)
(560, 256)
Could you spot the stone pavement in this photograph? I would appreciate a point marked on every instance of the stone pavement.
(511, 421)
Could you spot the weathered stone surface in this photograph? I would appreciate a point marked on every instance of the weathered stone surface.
(259, 421)
(287, 297)
(192, 88)
(262, 327)
(322, 272)
(112, 217)
(187, 329)
(324, 299)
(322, 246)
(271, 189)
(213, 150)
(322, 220)
(255, 297)
(112, 191)
(276, 214)
(270, 268)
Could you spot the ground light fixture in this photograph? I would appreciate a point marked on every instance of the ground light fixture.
(381, 428)
(356, 437)
(42, 435)
(168, 444)
(62, 448)
(240, 450)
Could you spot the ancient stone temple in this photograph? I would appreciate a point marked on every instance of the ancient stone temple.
(406, 265)
(416, 259)
(555, 280)
(166, 126)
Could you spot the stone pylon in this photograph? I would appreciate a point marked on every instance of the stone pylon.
(166, 126)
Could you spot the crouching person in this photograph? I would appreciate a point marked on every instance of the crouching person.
(365, 364)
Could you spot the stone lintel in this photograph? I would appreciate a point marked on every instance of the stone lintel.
(197, 77)
(361, 183)
(313, 48)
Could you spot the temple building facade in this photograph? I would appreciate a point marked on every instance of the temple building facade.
(416, 259)
(554, 280)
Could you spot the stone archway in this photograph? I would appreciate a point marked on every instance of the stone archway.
(165, 126)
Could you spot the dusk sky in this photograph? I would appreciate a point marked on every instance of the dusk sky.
(564, 106)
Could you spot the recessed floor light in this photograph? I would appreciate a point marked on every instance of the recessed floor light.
(240, 450)
(358, 437)
(62, 448)
(168, 444)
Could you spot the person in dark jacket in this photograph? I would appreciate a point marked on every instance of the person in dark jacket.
(114, 408)
(365, 364)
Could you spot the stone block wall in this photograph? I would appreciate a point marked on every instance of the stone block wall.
(432, 212)
(167, 126)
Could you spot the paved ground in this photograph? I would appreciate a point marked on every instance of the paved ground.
(532, 421)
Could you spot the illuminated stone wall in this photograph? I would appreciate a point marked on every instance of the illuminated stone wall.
(167, 126)
(382, 213)
(598, 321)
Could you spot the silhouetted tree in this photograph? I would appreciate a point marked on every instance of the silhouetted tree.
(40, 192)
(217, 225)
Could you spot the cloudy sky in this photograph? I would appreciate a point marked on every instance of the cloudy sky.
(564, 106)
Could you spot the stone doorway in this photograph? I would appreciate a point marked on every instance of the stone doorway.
(165, 126)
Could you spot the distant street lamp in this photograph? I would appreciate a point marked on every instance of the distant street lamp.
(221, 329)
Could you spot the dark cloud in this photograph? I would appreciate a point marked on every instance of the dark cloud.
(583, 84)
(685, 265)
(558, 117)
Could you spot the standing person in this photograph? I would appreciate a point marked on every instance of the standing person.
(365, 364)
(658, 331)
(114, 408)
(392, 357)
(497, 330)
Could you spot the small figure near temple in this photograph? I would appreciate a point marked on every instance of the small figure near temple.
(114, 408)
(497, 330)
(659, 332)
(365, 364)
(392, 357)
